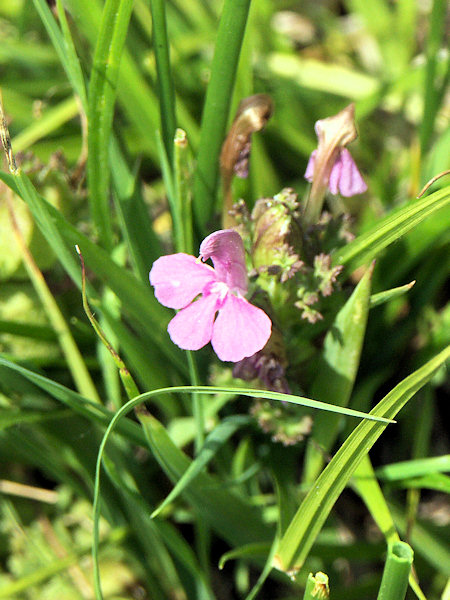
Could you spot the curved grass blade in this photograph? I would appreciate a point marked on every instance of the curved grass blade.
(386, 231)
(312, 513)
(101, 99)
(224, 510)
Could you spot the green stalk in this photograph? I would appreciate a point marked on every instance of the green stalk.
(165, 81)
(396, 572)
(217, 106)
(102, 95)
(183, 192)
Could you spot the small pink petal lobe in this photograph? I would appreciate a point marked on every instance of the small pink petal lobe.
(226, 250)
(310, 166)
(179, 278)
(345, 177)
(192, 327)
(240, 329)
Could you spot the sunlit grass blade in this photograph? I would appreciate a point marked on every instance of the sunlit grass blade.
(312, 513)
(101, 99)
(217, 106)
(414, 468)
(391, 228)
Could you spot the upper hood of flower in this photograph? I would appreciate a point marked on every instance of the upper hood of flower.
(226, 250)
(338, 130)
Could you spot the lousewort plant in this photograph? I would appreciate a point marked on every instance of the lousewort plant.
(213, 434)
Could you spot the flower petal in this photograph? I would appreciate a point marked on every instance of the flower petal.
(226, 249)
(348, 178)
(310, 166)
(240, 329)
(179, 278)
(192, 327)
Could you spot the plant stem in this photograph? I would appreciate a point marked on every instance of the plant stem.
(396, 572)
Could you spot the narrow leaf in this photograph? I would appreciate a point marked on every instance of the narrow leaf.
(336, 372)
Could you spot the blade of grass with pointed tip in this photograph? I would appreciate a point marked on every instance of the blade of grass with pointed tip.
(336, 372)
(312, 513)
(390, 228)
(101, 98)
(382, 297)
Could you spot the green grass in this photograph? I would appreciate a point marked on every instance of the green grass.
(117, 112)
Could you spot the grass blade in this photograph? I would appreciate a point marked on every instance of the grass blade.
(217, 106)
(391, 228)
(101, 99)
(64, 46)
(336, 372)
(165, 81)
(212, 444)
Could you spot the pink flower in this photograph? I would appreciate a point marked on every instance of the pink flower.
(240, 329)
(344, 178)
(332, 165)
